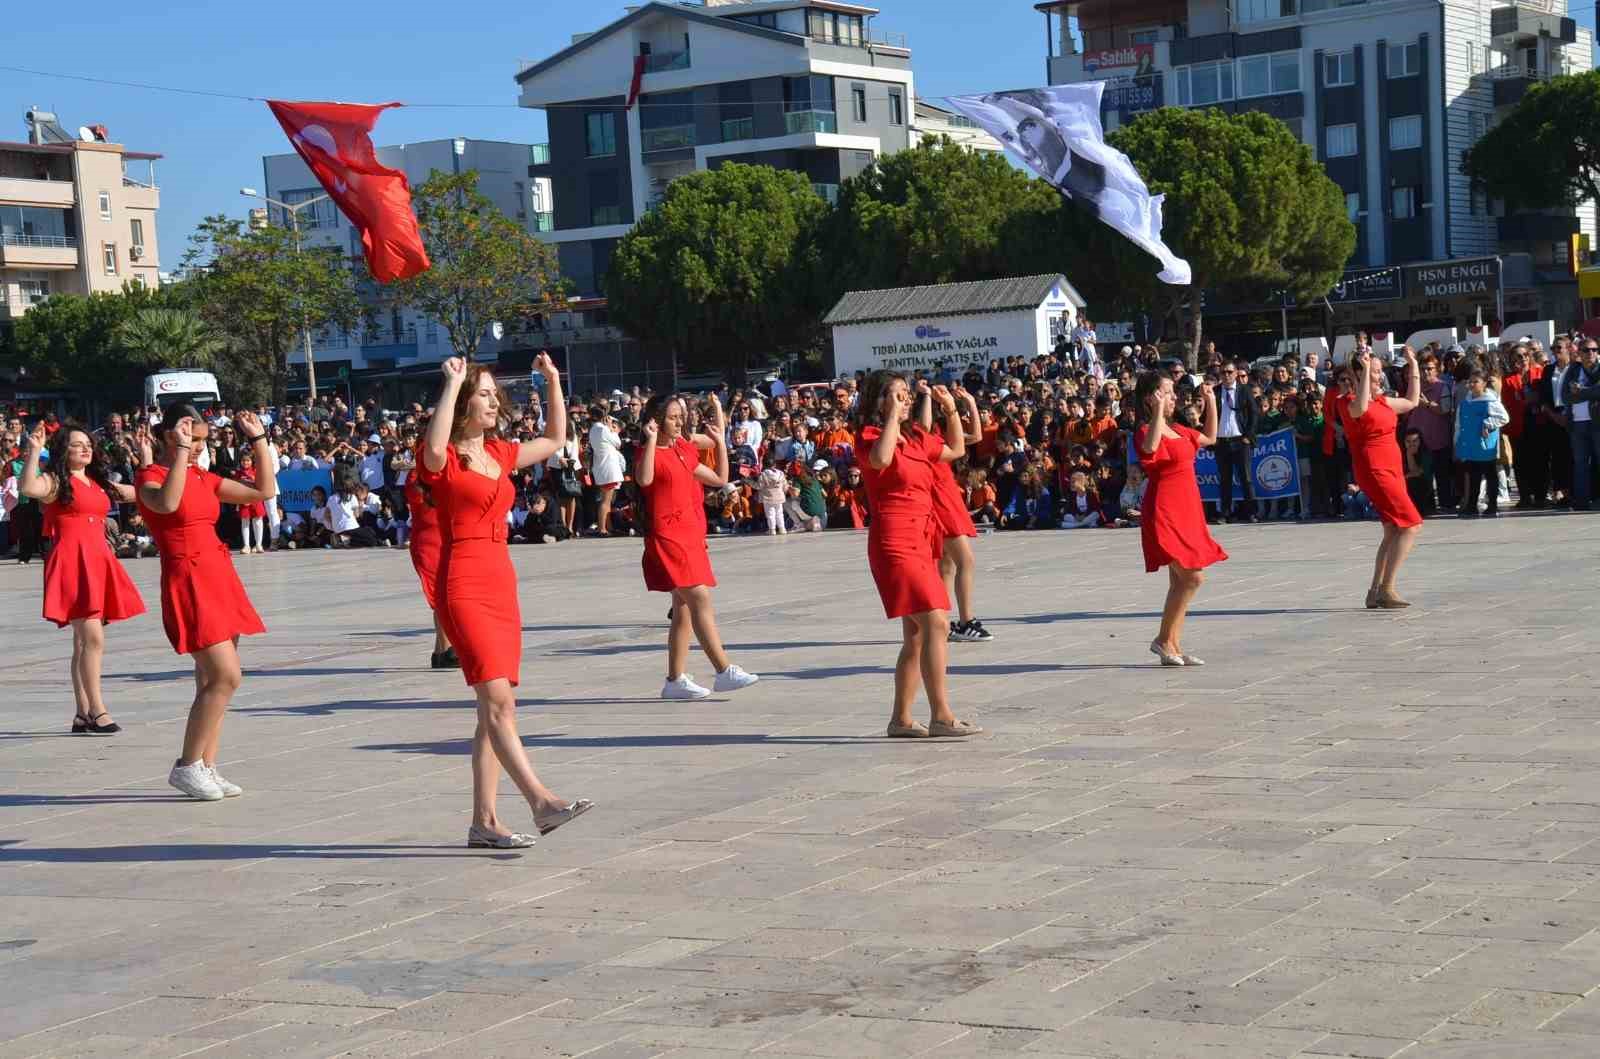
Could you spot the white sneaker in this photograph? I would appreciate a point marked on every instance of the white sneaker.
(683, 688)
(733, 678)
(229, 790)
(195, 781)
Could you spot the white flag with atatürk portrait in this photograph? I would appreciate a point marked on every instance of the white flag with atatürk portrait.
(1056, 132)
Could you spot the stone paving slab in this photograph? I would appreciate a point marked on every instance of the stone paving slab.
(1353, 833)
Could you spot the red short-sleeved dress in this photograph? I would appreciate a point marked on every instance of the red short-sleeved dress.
(950, 504)
(476, 583)
(675, 554)
(1173, 529)
(82, 577)
(427, 543)
(905, 538)
(1375, 458)
(202, 600)
(258, 509)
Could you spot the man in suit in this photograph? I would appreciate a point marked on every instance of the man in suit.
(1548, 410)
(1236, 436)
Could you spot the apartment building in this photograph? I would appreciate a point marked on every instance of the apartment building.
(804, 85)
(1390, 93)
(76, 216)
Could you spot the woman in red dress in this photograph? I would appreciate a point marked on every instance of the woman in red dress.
(84, 584)
(466, 466)
(1370, 420)
(905, 541)
(426, 546)
(672, 480)
(1173, 527)
(957, 565)
(203, 604)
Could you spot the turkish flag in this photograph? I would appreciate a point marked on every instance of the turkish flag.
(335, 140)
(638, 79)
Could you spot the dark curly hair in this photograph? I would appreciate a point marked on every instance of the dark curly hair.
(98, 471)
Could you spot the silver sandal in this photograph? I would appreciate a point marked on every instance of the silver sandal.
(477, 838)
(550, 821)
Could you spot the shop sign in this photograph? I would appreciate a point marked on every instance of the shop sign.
(1454, 279)
(1368, 285)
(1140, 57)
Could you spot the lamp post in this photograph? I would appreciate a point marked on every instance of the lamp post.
(305, 328)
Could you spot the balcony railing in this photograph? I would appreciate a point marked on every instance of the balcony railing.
(65, 242)
(830, 192)
(657, 62)
(539, 154)
(544, 222)
(802, 121)
(738, 129)
(669, 138)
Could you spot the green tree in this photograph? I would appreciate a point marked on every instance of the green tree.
(722, 267)
(256, 290)
(1247, 204)
(169, 338)
(486, 267)
(1546, 152)
(70, 340)
(933, 214)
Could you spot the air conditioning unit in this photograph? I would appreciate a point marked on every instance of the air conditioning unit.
(136, 252)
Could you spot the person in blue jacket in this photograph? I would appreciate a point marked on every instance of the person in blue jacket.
(1479, 418)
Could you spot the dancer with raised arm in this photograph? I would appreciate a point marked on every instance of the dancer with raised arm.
(672, 480)
(203, 604)
(1370, 420)
(426, 546)
(957, 565)
(1172, 524)
(905, 541)
(466, 466)
(85, 585)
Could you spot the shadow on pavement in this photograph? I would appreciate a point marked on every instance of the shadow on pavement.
(226, 851)
(555, 742)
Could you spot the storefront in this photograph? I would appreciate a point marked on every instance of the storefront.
(914, 329)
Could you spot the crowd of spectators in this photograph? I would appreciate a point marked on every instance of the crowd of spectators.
(1053, 453)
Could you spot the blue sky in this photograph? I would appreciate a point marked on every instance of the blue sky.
(400, 50)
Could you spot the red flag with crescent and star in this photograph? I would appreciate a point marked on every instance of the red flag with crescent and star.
(335, 140)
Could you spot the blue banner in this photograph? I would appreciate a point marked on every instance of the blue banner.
(294, 488)
(1274, 468)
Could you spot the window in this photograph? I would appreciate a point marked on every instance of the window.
(1352, 206)
(1205, 84)
(897, 107)
(1338, 68)
(1405, 203)
(1341, 141)
(1405, 60)
(1255, 77)
(136, 230)
(601, 215)
(108, 253)
(430, 331)
(1144, 36)
(601, 133)
(1286, 72)
(105, 205)
(1405, 133)
(858, 102)
(831, 27)
(33, 291)
(605, 197)
(1261, 10)
(321, 214)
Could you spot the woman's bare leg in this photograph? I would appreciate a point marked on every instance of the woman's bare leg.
(932, 658)
(678, 637)
(1399, 550)
(959, 567)
(703, 616)
(441, 642)
(1182, 584)
(217, 677)
(603, 517)
(80, 698)
(907, 672)
(1380, 562)
(88, 653)
(497, 721)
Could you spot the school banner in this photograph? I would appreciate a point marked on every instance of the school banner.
(294, 488)
(1274, 469)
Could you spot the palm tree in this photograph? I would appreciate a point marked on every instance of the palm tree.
(170, 338)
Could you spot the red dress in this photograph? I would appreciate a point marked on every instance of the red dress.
(905, 539)
(675, 554)
(950, 504)
(476, 583)
(258, 509)
(426, 540)
(1173, 529)
(82, 577)
(202, 600)
(1376, 460)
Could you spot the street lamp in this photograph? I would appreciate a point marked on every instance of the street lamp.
(305, 328)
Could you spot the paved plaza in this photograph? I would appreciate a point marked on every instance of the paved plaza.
(1353, 833)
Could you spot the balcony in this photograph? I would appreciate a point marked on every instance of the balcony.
(543, 222)
(829, 192)
(738, 129)
(388, 344)
(669, 138)
(810, 121)
(18, 191)
(38, 251)
(662, 61)
(539, 154)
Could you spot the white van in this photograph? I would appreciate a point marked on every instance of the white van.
(198, 388)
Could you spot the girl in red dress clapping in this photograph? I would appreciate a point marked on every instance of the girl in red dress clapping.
(203, 605)
(84, 584)
(673, 482)
(466, 466)
(957, 565)
(1172, 523)
(905, 542)
(1370, 420)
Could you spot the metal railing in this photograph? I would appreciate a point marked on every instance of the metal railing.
(64, 242)
(544, 222)
(738, 129)
(801, 121)
(657, 62)
(889, 40)
(669, 138)
(538, 154)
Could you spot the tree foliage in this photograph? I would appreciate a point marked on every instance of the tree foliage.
(169, 338)
(937, 213)
(256, 290)
(486, 267)
(722, 267)
(71, 340)
(1546, 152)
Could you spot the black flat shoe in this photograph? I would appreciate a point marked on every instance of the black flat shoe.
(90, 726)
(79, 725)
(445, 659)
